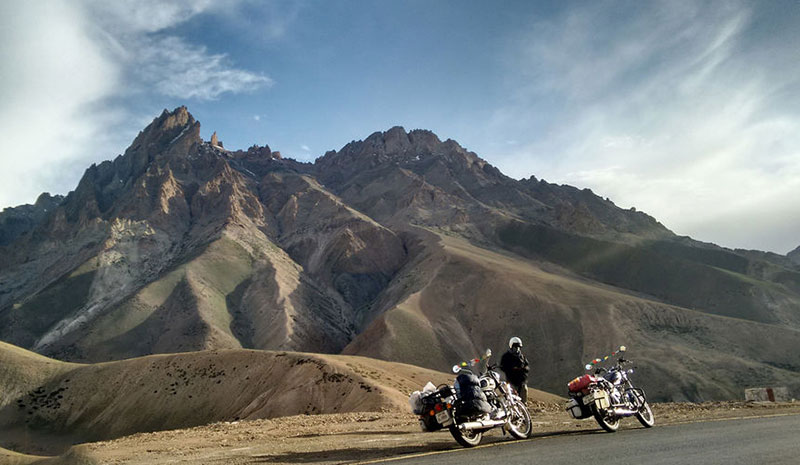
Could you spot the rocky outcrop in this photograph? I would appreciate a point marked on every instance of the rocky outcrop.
(338, 245)
(794, 256)
(254, 152)
(215, 142)
(17, 221)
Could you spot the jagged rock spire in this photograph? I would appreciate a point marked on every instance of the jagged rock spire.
(215, 140)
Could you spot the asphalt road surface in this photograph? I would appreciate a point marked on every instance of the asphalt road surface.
(756, 441)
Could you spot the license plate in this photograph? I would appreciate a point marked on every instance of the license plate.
(443, 416)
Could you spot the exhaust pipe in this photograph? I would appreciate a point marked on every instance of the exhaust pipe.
(480, 424)
(623, 412)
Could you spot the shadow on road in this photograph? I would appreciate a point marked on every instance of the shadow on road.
(360, 454)
(357, 433)
(350, 454)
(576, 432)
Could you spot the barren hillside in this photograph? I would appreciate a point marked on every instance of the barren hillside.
(48, 405)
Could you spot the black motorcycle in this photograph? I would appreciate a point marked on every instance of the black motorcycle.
(608, 395)
(473, 405)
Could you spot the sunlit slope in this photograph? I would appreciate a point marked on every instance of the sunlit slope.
(235, 292)
(60, 403)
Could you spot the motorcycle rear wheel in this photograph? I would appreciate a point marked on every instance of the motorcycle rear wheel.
(520, 425)
(466, 438)
(609, 424)
(645, 416)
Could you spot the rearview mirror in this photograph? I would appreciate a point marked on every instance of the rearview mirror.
(456, 368)
(622, 348)
(488, 353)
(588, 366)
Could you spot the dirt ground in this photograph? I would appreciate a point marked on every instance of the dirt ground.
(358, 437)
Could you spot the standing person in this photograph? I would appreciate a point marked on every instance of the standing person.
(516, 368)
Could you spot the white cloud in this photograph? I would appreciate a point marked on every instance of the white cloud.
(305, 148)
(67, 64)
(257, 117)
(52, 78)
(668, 110)
(177, 69)
(133, 35)
(145, 16)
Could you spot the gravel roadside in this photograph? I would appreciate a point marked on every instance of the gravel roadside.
(359, 437)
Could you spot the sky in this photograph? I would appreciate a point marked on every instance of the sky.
(689, 111)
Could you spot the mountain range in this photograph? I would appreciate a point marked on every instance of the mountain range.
(401, 247)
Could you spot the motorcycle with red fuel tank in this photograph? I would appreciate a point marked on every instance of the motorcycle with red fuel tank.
(609, 395)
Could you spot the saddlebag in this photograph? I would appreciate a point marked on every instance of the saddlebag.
(471, 399)
(425, 405)
(599, 398)
(428, 420)
(577, 409)
(415, 399)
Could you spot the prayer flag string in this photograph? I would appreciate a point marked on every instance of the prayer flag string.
(598, 360)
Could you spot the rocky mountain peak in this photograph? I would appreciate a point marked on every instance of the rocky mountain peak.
(418, 154)
(16, 221)
(794, 256)
(45, 201)
(424, 138)
(397, 146)
(173, 134)
(178, 117)
(167, 129)
(396, 140)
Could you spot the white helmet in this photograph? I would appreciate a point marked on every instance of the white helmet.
(514, 340)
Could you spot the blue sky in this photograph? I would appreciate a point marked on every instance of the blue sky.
(687, 110)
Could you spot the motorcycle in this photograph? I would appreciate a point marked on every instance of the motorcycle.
(608, 395)
(474, 405)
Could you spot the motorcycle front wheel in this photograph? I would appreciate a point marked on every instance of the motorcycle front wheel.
(645, 416)
(466, 438)
(610, 424)
(520, 422)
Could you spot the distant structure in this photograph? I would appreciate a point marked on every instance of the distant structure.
(777, 394)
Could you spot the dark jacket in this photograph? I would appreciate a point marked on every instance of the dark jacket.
(515, 366)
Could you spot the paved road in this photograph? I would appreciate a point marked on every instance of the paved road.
(757, 441)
